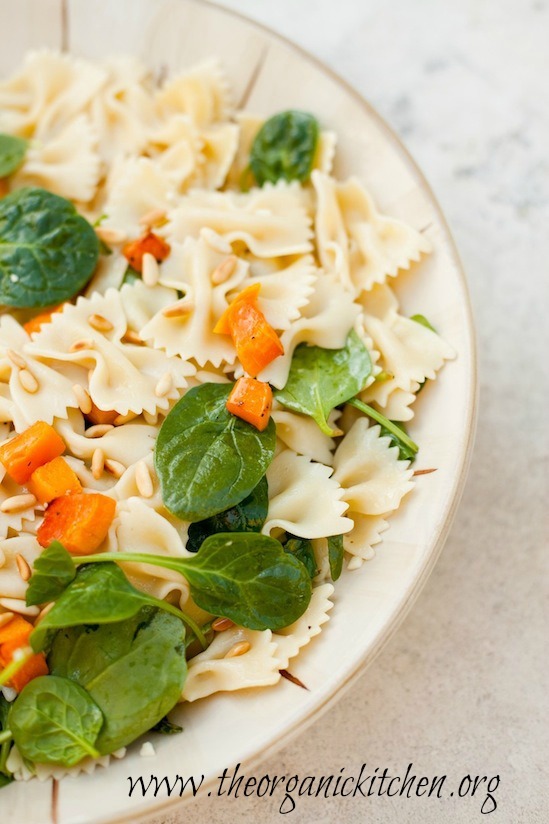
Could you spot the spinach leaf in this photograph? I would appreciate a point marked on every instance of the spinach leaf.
(5, 745)
(335, 555)
(54, 570)
(284, 148)
(405, 453)
(424, 322)
(47, 250)
(55, 721)
(206, 459)
(131, 276)
(12, 153)
(167, 727)
(407, 448)
(134, 670)
(302, 549)
(247, 516)
(321, 379)
(100, 594)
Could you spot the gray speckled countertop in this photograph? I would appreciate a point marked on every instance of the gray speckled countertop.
(462, 687)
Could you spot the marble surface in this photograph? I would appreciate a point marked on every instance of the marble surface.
(461, 689)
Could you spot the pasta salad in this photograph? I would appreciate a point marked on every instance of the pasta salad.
(205, 380)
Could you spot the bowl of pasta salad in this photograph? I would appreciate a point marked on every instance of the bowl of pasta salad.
(237, 398)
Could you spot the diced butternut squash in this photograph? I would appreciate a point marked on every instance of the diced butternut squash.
(35, 324)
(256, 342)
(101, 416)
(14, 636)
(34, 447)
(251, 400)
(52, 480)
(151, 243)
(79, 521)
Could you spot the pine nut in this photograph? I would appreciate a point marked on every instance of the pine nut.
(150, 272)
(164, 385)
(16, 358)
(143, 480)
(224, 271)
(98, 463)
(156, 217)
(109, 236)
(221, 624)
(17, 503)
(132, 337)
(83, 399)
(98, 430)
(84, 343)
(179, 309)
(122, 419)
(28, 381)
(100, 323)
(238, 649)
(5, 618)
(114, 467)
(23, 567)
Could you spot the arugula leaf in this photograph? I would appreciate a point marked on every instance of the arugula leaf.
(55, 721)
(247, 516)
(206, 459)
(166, 727)
(285, 147)
(321, 379)
(134, 670)
(335, 555)
(12, 153)
(100, 594)
(407, 448)
(54, 570)
(302, 549)
(48, 251)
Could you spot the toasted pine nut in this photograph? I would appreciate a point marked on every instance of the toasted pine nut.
(132, 337)
(98, 430)
(83, 399)
(150, 272)
(17, 503)
(84, 343)
(221, 624)
(164, 385)
(109, 236)
(122, 419)
(100, 323)
(16, 358)
(98, 463)
(238, 649)
(156, 217)
(114, 467)
(143, 480)
(5, 618)
(23, 567)
(44, 612)
(28, 381)
(224, 271)
(179, 309)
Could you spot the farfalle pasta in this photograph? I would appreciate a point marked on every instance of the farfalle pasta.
(202, 371)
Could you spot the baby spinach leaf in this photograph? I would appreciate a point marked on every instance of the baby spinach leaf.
(321, 379)
(405, 453)
(47, 250)
(54, 570)
(247, 516)
(55, 721)
(5, 746)
(302, 549)
(335, 555)
(100, 594)
(407, 448)
(284, 148)
(134, 670)
(424, 322)
(167, 727)
(206, 459)
(12, 153)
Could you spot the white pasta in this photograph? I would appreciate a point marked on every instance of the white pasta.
(202, 93)
(291, 639)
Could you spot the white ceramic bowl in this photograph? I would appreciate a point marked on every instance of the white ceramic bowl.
(269, 74)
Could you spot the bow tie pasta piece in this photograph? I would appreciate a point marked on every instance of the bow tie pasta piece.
(123, 377)
(219, 144)
(304, 499)
(44, 772)
(202, 93)
(125, 444)
(270, 221)
(135, 188)
(291, 639)
(12, 586)
(285, 291)
(303, 435)
(16, 521)
(357, 243)
(175, 147)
